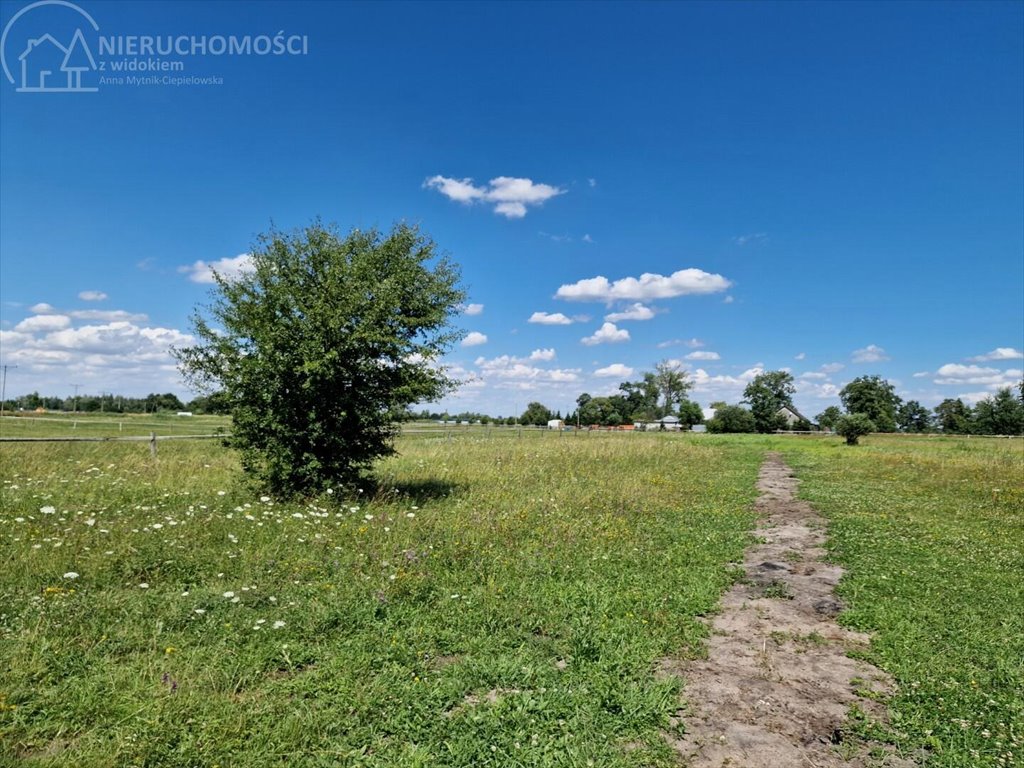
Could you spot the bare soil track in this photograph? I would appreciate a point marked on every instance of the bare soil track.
(778, 684)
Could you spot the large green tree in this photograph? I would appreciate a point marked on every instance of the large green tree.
(874, 397)
(953, 417)
(1000, 414)
(767, 393)
(731, 419)
(320, 343)
(827, 419)
(673, 383)
(913, 417)
(536, 414)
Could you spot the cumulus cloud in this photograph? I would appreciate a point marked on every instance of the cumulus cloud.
(542, 355)
(42, 309)
(648, 286)
(474, 339)
(545, 318)
(509, 195)
(728, 299)
(703, 355)
(814, 375)
(615, 370)
(800, 356)
(474, 309)
(108, 315)
(92, 295)
(228, 268)
(635, 311)
(691, 343)
(608, 333)
(756, 237)
(43, 323)
(870, 354)
(999, 353)
(118, 354)
(832, 367)
(958, 374)
(516, 369)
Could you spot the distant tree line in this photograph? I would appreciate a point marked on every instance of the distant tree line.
(108, 403)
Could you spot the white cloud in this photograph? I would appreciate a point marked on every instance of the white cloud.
(510, 195)
(120, 355)
(592, 183)
(870, 354)
(228, 268)
(922, 374)
(957, 374)
(108, 315)
(43, 323)
(648, 286)
(587, 239)
(703, 355)
(509, 368)
(691, 343)
(606, 334)
(42, 309)
(474, 339)
(756, 237)
(815, 375)
(545, 318)
(832, 367)
(800, 356)
(92, 295)
(728, 299)
(614, 370)
(636, 311)
(474, 309)
(542, 355)
(999, 353)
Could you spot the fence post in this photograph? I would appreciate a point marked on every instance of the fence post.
(152, 444)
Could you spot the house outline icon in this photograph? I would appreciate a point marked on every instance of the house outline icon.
(77, 58)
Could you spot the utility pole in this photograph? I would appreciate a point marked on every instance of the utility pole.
(77, 387)
(102, 395)
(3, 388)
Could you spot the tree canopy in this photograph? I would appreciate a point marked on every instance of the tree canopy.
(320, 344)
(874, 397)
(767, 394)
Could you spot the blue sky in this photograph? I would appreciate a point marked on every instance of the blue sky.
(836, 189)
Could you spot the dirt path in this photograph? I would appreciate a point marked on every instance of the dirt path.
(777, 685)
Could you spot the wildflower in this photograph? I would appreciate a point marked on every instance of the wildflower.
(410, 514)
(169, 650)
(278, 624)
(47, 510)
(91, 522)
(70, 575)
(264, 499)
(229, 594)
(200, 611)
(143, 585)
(330, 491)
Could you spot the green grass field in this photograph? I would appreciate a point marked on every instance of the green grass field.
(502, 602)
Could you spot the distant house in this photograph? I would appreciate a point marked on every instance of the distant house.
(792, 416)
(556, 424)
(665, 424)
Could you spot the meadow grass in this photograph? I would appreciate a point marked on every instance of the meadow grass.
(931, 531)
(501, 602)
(109, 424)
